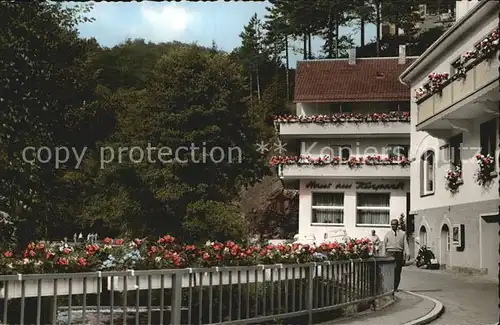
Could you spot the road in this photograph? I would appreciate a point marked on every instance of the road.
(468, 300)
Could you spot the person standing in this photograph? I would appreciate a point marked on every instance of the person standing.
(376, 243)
(396, 245)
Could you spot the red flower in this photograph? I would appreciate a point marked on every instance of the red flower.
(108, 241)
(8, 254)
(49, 255)
(119, 242)
(40, 246)
(66, 250)
(92, 249)
(82, 262)
(62, 261)
(206, 256)
(32, 253)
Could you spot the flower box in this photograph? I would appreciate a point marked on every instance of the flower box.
(227, 278)
(141, 282)
(47, 287)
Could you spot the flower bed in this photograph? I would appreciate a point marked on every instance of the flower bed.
(346, 118)
(164, 253)
(335, 160)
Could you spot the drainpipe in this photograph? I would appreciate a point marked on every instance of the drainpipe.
(499, 181)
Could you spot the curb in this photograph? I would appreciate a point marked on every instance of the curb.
(340, 321)
(435, 313)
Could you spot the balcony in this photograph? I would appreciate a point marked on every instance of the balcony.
(463, 97)
(355, 168)
(323, 126)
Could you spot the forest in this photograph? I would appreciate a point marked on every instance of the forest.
(59, 90)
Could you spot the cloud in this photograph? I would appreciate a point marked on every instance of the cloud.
(167, 22)
(156, 22)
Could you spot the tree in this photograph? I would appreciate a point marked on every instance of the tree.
(195, 96)
(214, 221)
(47, 100)
(364, 11)
(416, 45)
(276, 37)
(331, 15)
(252, 51)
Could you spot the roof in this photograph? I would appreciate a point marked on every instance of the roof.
(370, 79)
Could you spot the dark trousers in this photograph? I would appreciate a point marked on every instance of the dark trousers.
(398, 256)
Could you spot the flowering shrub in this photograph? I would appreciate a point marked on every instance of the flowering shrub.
(335, 160)
(486, 165)
(453, 179)
(346, 118)
(433, 85)
(166, 253)
(40, 258)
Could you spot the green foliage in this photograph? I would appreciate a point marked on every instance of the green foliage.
(60, 90)
(214, 221)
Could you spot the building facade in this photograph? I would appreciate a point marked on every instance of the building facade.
(454, 140)
(347, 145)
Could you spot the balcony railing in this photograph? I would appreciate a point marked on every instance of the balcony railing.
(396, 123)
(225, 295)
(355, 167)
(471, 78)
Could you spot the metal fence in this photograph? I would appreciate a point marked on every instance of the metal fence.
(230, 295)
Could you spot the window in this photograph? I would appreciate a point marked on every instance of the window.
(346, 108)
(427, 173)
(328, 208)
(423, 236)
(455, 149)
(454, 67)
(334, 108)
(398, 107)
(341, 150)
(345, 151)
(487, 137)
(373, 208)
(398, 151)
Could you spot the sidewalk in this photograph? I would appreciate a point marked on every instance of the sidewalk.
(468, 300)
(405, 309)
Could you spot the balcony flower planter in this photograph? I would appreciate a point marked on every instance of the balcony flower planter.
(14, 287)
(141, 282)
(223, 277)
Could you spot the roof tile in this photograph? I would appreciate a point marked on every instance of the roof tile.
(370, 79)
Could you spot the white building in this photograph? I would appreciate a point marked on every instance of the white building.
(359, 93)
(453, 119)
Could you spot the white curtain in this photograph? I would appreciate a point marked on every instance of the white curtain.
(322, 211)
(373, 200)
(373, 217)
(327, 216)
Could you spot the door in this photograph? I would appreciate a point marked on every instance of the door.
(445, 243)
(490, 241)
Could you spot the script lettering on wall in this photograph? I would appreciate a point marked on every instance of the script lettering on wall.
(359, 185)
(376, 187)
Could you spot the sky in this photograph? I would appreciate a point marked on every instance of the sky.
(200, 22)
